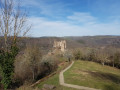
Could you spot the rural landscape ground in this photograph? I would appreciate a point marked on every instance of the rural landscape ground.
(85, 72)
(59, 45)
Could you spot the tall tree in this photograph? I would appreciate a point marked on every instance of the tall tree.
(13, 23)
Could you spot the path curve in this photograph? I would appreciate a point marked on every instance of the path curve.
(61, 81)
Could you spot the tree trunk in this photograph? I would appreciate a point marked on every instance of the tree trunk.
(6, 46)
(103, 63)
(113, 64)
(33, 75)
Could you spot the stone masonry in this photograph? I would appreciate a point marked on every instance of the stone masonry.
(60, 45)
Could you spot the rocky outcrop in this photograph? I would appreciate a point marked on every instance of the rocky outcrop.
(48, 87)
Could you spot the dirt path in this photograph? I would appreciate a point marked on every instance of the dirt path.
(61, 81)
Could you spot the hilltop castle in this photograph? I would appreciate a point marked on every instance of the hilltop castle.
(59, 45)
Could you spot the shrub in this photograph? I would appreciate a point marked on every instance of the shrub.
(117, 59)
(77, 54)
(49, 64)
(7, 66)
(27, 64)
(92, 55)
(68, 55)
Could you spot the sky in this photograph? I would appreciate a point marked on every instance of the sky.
(73, 17)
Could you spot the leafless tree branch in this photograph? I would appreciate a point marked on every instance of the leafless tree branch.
(12, 21)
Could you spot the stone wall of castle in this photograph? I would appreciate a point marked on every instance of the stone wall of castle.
(60, 45)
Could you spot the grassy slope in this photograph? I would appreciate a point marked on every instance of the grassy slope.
(93, 75)
(54, 80)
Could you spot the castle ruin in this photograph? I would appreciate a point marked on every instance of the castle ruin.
(60, 45)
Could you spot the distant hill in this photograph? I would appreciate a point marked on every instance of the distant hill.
(95, 41)
(46, 43)
(77, 42)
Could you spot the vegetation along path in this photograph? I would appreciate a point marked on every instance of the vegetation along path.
(61, 80)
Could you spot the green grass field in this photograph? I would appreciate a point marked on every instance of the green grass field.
(54, 80)
(93, 75)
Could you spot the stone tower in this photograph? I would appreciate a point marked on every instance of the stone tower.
(60, 45)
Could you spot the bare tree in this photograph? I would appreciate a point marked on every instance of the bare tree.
(112, 51)
(35, 56)
(68, 54)
(12, 24)
(102, 56)
(12, 21)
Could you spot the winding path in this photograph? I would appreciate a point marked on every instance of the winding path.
(61, 81)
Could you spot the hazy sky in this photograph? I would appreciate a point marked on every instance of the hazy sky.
(73, 17)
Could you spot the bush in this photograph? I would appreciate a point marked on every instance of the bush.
(49, 64)
(68, 55)
(77, 54)
(7, 66)
(117, 59)
(27, 64)
(92, 56)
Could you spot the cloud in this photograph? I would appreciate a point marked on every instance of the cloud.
(45, 27)
(70, 20)
(81, 17)
(75, 23)
(50, 8)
